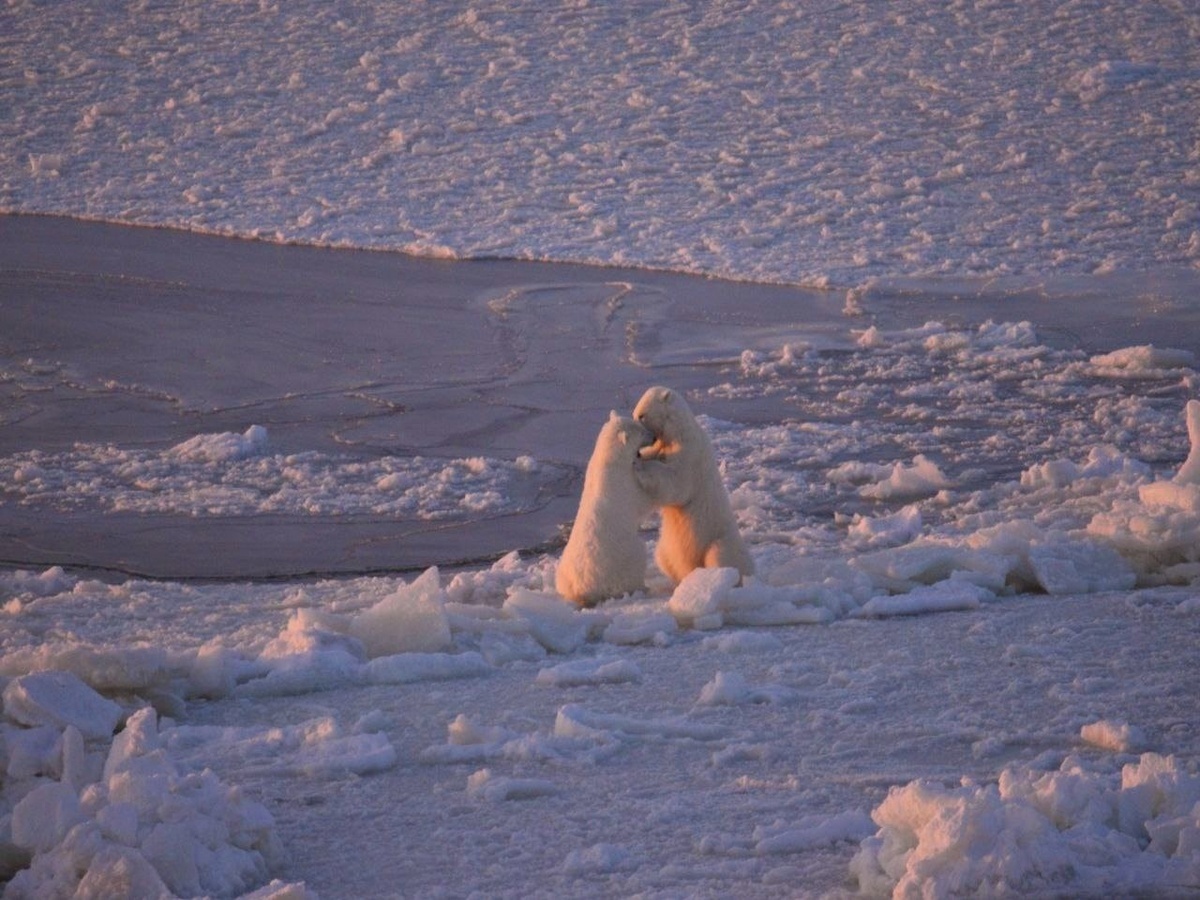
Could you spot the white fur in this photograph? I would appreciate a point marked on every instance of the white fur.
(679, 473)
(605, 557)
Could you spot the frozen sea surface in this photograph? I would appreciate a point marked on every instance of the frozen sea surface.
(826, 144)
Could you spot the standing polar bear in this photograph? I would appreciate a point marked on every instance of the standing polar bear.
(605, 557)
(679, 473)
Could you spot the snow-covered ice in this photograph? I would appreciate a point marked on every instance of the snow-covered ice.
(279, 524)
(827, 144)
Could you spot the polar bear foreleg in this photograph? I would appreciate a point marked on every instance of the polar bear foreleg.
(665, 480)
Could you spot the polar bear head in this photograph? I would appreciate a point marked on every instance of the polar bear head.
(620, 440)
(665, 413)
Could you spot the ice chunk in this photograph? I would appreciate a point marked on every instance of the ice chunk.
(1159, 532)
(463, 732)
(410, 620)
(498, 788)
(279, 890)
(219, 448)
(898, 528)
(574, 720)
(405, 668)
(1109, 76)
(812, 832)
(731, 689)
(699, 599)
(29, 751)
(1189, 472)
(952, 594)
(1146, 361)
(742, 642)
(311, 654)
(143, 826)
(138, 738)
(709, 598)
(317, 747)
(117, 871)
(634, 628)
(599, 859)
(1102, 462)
(122, 668)
(922, 479)
(211, 673)
(1116, 736)
(590, 671)
(928, 562)
(48, 583)
(936, 841)
(44, 816)
(310, 633)
(60, 699)
(1079, 567)
(758, 604)
(558, 626)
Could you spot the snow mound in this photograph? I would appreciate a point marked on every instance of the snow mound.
(146, 828)
(1072, 831)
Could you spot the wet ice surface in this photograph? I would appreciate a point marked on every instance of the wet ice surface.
(976, 537)
(410, 408)
(830, 144)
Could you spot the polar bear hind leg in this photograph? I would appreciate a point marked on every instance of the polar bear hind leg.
(729, 553)
(678, 550)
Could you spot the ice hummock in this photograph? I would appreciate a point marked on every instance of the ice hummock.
(1079, 829)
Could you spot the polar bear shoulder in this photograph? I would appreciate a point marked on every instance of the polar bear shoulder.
(680, 461)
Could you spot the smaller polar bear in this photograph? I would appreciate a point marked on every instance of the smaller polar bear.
(678, 472)
(605, 557)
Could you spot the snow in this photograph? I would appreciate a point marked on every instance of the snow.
(212, 475)
(830, 145)
(967, 462)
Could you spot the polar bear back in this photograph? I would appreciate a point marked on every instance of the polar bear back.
(605, 556)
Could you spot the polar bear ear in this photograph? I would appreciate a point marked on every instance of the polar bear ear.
(613, 414)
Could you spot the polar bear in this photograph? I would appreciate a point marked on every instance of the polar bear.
(605, 557)
(678, 472)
